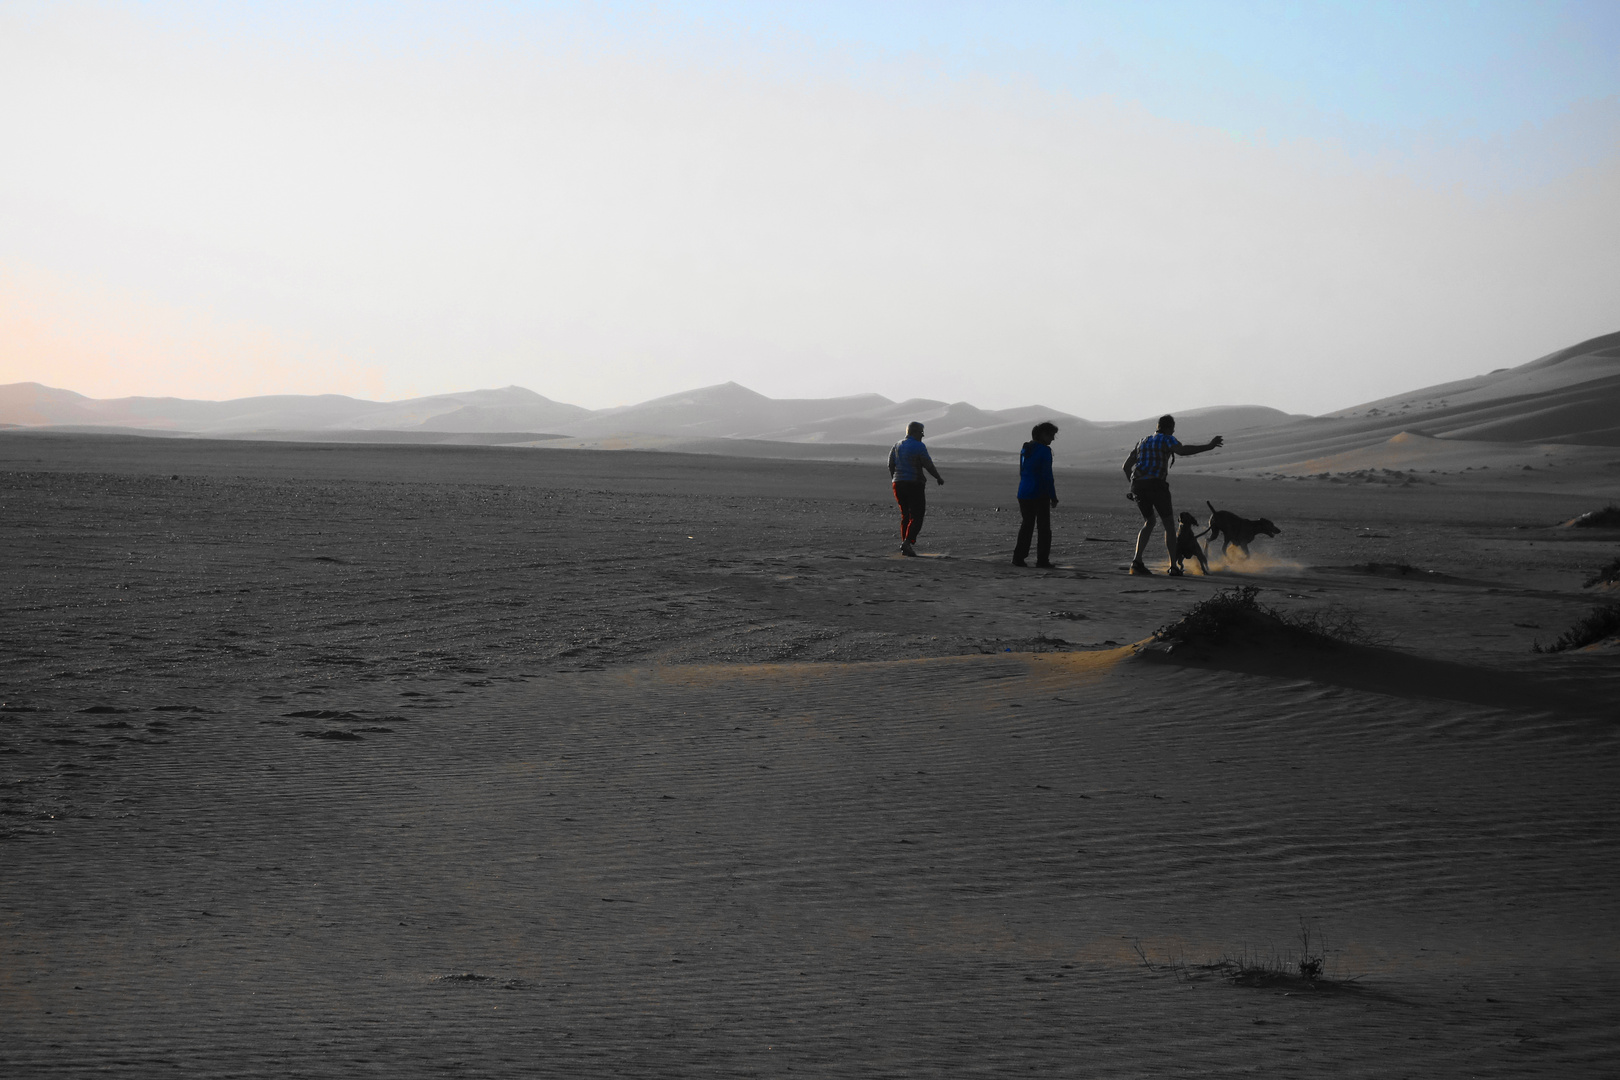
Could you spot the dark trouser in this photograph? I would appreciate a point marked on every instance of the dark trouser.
(1037, 516)
(913, 505)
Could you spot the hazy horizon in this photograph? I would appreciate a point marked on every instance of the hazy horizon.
(1112, 211)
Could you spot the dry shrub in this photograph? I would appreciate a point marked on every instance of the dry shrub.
(1332, 625)
(1606, 518)
(1601, 622)
(1304, 970)
(1235, 616)
(1607, 575)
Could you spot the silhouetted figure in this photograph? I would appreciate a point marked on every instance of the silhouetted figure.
(907, 462)
(1148, 469)
(1037, 494)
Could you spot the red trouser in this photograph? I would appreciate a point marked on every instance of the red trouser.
(913, 505)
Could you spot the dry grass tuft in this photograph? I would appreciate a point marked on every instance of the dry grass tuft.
(1606, 518)
(1302, 970)
(1305, 969)
(1235, 616)
(1606, 575)
(1601, 622)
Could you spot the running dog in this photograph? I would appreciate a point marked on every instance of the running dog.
(1236, 530)
(1187, 546)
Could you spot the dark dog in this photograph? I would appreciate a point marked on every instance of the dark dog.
(1236, 530)
(1187, 545)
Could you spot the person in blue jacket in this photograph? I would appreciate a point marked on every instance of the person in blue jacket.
(1037, 494)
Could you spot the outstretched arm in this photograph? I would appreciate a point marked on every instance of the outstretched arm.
(1190, 450)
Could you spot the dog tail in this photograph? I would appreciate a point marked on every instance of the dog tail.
(1211, 506)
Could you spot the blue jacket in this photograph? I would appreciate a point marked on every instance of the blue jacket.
(1035, 472)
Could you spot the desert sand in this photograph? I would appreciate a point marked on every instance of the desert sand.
(422, 760)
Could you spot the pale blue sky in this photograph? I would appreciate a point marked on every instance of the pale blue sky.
(1401, 80)
(1111, 209)
(1389, 70)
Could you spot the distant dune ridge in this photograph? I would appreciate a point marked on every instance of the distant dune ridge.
(1567, 399)
(509, 409)
(1570, 397)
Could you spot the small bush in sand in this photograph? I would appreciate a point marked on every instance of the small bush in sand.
(1235, 615)
(1289, 970)
(1302, 970)
(1606, 518)
(1608, 575)
(1601, 622)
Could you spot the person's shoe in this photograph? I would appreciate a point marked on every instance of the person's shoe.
(906, 549)
(1174, 571)
(1140, 570)
(1044, 566)
(1020, 562)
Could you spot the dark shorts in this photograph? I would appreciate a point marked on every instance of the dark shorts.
(1153, 496)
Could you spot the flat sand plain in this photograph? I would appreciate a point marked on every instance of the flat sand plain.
(337, 760)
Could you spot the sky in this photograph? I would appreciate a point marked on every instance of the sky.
(1110, 209)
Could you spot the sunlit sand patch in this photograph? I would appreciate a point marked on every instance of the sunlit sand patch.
(1060, 665)
(1258, 562)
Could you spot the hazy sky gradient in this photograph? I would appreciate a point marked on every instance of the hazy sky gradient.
(1110, 210)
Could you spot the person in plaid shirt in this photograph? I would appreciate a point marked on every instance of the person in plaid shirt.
(1148, 470)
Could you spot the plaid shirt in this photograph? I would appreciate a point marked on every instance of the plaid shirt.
(1153, 456)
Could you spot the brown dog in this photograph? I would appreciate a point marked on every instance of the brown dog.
(1187, 546)
(1236, 530)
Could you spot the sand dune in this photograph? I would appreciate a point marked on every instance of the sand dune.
(1565, 400)
(724, 411)
(512, 408)
(1419, 454)
(678, 421)
(1513, 417)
